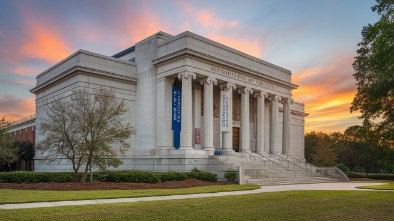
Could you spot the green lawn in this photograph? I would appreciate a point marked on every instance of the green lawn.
(387, 186)
(288, 205)
(26, 196)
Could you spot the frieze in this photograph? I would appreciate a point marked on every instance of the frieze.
(241, 77)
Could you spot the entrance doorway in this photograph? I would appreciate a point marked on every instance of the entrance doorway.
(236, 139)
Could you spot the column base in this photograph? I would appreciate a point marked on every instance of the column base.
(229, 152)
(186, 148)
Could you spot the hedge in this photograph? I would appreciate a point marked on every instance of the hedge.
(111, 176)
(377, 176)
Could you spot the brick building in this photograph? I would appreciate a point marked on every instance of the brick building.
(24, 130)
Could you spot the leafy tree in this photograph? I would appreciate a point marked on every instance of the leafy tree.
(319, 148)
(8, 154)
(85, 129)
(311, 141)
(374, 68)
(25, 152)
(365, 141)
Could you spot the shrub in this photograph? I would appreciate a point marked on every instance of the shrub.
(230, 175)
(204, 176)
(355, 175)
(130, 176)
(35, 177)
(343, 167)
(108, 176)
(377, 176)
(195, 170)
(172, 176)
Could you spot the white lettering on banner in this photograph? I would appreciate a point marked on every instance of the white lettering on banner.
(224, 112)
(241, 77)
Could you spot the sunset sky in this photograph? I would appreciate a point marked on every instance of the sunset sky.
(315, 39)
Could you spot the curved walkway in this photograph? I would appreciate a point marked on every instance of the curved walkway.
(263, 189)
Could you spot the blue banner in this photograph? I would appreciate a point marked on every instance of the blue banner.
(176, 114)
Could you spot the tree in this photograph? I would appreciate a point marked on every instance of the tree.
(25, 152)
(8, 154)
(319, 147)
(374, 69)
(85, 128)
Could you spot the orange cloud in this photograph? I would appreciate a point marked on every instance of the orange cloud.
(327, 92)
(26, 71)
(44, 43)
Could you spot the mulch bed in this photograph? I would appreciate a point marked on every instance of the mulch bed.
(110, 185)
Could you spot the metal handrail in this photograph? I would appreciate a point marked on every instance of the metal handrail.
(302, 162)
(307, 171)
(273, 163)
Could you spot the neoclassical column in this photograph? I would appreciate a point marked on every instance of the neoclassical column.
(260, 121)
(187, 112)
(274, 141)
(286, 125)
(245, 128)
(228, 136)
(208, 83)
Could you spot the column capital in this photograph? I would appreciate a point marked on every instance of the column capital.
(186, 75)
(228, 86)
(286, 100)
(274, 97)
(245, 90)
(208, 80)
(261, 94)
(159, 80)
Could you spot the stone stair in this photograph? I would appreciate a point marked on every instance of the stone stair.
(279, 170)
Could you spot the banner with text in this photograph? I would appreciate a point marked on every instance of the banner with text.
(224, 111)
(176, 114)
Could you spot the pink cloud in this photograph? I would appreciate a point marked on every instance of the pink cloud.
(228, 32)
(14, 107)
(18, 82)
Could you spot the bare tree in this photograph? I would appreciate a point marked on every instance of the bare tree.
(85, 128)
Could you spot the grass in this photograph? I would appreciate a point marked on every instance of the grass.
(28, 196)
(288, 205)
(387, 186)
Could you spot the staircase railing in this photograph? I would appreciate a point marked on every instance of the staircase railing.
(301, 162)
(298, 163)
(273, 164)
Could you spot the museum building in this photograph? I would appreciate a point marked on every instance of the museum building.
(195, 103)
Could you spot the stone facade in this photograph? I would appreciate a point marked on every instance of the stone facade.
(263, 120)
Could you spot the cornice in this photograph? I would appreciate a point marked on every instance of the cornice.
(72, 71)
(189, 53)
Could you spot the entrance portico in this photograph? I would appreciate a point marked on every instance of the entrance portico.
(279, 124)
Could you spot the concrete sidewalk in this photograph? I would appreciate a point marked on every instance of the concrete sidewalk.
(263, 189)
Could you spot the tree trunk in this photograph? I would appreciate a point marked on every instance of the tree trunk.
(76, 178)
(86, 170)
